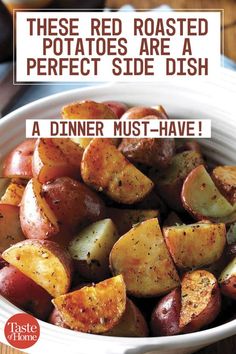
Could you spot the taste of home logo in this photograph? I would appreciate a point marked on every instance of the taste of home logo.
(22, 331)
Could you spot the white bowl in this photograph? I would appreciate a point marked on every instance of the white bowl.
(213, 100)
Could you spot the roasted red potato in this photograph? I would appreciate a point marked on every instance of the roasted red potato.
(225, 180)
(73, 204)
(37, 219)
(195, 245)
(200, 300)
(87, 110)
(125, 219)
(23, 292)
(45, 262)
(55, 158)
(140, 112)
(187, 145)
(10, 228)
(104, 168)
(227, 280)
(132, 323)
(18, 164)
(55, 319)
(149, 151)
(93, 309)
(165, 316)
(118, 108)
(168, 182)
(90, 249)
(13, 194)
(202, 199)
(142, 257)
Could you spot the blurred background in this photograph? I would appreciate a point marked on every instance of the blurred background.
(14, 96)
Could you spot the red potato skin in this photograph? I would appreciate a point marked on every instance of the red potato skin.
(228, 287)
(24, 292)
(118, 108)
(19, 162)
(208, 315)
(30, 214)
(165, 316)
(73, 203)
(140, 112)
(55, 319)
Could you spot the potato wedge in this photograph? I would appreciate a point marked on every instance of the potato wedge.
(189, 245)
(165, 316)
(43, 261)
(139, 112)
(200, 300)
(37, 219)
(125, 219)
(202, 199)
(227, 280)
(87, 110)
(55, 158)
(10, 229)
(73, 203)
(225, 180)
(186, 145)
(132, 323)
(142, 257)
(13, 194)
(105, 169)
(18, 164)
(168, 183)
(119, 108)
(90, 249)
(149, 151)
(93, 309)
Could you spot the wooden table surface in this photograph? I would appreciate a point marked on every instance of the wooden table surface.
(227, 346)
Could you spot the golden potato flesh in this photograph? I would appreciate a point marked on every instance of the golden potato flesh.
(200, 300)
(105, 169)
(125, 219)
(195, 245)
(86, 110)
(94, 309)
(13, 194)
(44, 262)
(202, 199)
(142, 257)
(90, 249)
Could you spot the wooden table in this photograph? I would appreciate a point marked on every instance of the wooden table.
(227, 346)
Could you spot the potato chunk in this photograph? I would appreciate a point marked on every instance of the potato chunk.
(37, 219)
(225, 179)
(132, 323)
(124, 219)
(55, 158)
(44, 262)
(105, 169)
(200, 300)
(189, 245)
(227, 280)
(202, 199)
(10, 229)
(142, 257)
(87, 110)
(93, 309)
(90, 249)
(13, 194)
(168, 182)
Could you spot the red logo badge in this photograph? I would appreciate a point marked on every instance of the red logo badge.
(22, 330)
